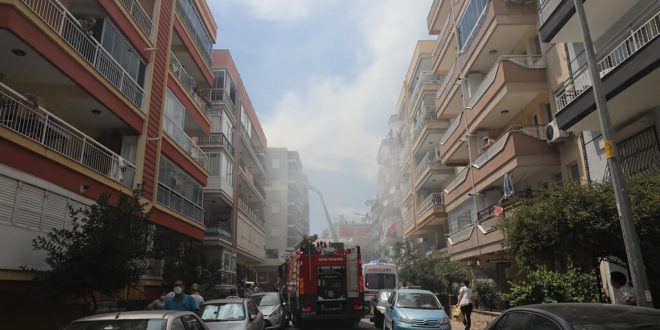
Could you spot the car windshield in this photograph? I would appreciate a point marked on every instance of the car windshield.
(265, 300)
(223, 312)
(117, 325)
(417, 301)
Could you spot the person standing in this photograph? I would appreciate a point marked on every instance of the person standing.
(465, 303)
(623, 293)
(194, 292)
(159, 302)
(180, 301)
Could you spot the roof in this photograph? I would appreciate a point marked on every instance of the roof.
(134, 315)
(413, 291)
(226, 300)
(577, 313)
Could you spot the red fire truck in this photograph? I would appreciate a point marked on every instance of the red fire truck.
(324, 282)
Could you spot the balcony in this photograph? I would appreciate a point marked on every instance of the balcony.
(627, 72)
(250, 189)
(444, 50)
(471, 243)
(521, 151)
(67, 26)
(215, 140)
(256, 217)
(139, 15)
(220, 96)
(408, 221)
(186, 10)
(430, 172)
(254, 161)
(511, 84)
(437, 15)
(451, 144)
(43, 127)
(185, 142)
(430, 209)
(189, 85)
(426, 82)
(218, 229)
(488, 28)
(448, 99)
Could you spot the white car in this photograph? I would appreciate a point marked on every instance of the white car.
(232, 313)
(273, 308)
(140, 320)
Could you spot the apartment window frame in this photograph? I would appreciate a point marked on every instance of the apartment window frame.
(122, 51)
(173, 183)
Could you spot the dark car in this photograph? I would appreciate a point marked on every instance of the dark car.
(140, 320)
(577, 317)
(378, 305)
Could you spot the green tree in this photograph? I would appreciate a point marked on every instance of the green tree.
(102, 253)
(487, 294)
(546, 286)
(414, 267)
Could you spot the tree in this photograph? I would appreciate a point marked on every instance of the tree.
(580, 222)
(414, 267)
(103, 251)
(546, 286)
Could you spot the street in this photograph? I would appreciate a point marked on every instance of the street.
(364, 324)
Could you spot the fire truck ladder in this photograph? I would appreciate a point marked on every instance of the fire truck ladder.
(333, 231)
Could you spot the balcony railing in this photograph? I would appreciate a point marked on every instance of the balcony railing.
(525, 61)
(461, 235)
(219, 95)
(139, 15)
(216, 139)
(422, 120)
(441, 36)
(186, 143)
(430, 157)
(536, 132)
(452, 128)
(253, 215)
(460, 177)
(68, 27)
(219, 228)
(445, 82)
(580, 80)
(469, 23)
(546, 8)
(179, 203)
(434, 199)
(188, 83)
(425, 78)
(408, 218)
(43, 127)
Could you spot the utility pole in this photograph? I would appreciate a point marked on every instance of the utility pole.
(630, 237)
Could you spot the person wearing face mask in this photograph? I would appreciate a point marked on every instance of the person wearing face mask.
(180, 301)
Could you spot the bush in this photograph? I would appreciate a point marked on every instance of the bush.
(487, 296)
(544, 286)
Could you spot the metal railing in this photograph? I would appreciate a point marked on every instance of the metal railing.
(218, 95)
(185, 142)
(215, 139)
(188, 83)
(525, 61)
(536, 132)
(546, 8)
(422, 120)
(68, 27)
(452, 128)
(139, 15)
(253, 215)
(408, 218)
(425, 78)
(461, 234)
(445, 82)
(434, 199)
(177, 202)
(43, 127)
(580, 80)
(430, 157)
(219, 228)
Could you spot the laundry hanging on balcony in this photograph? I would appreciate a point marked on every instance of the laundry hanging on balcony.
(508, 185)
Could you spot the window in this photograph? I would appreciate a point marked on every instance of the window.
(245, 121)
(272, 253)
(192, 323)
(541, 323)
(214, 164)
(122, 51)
(178, 324)
(574, 171)
(179, 191)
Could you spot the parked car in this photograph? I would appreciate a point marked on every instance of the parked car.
(273, 308)
(378, 305)
(412, 309)
(139, 320)
(232, 313)
(577, 317)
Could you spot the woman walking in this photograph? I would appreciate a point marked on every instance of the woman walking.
(465, 302)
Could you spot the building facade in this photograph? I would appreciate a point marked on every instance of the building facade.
(102, 96)
(287, 211)
(234, 197)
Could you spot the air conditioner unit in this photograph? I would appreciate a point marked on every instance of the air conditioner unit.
(553, 133)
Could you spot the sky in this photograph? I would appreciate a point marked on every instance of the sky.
(324, 77)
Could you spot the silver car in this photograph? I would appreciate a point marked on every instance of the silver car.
(140, 320)
(232, 313)
(273, 308)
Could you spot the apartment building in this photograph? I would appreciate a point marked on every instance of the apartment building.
(234, 197)
(102, 96)
(287, 211)
(386, 208)
(625, 36)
